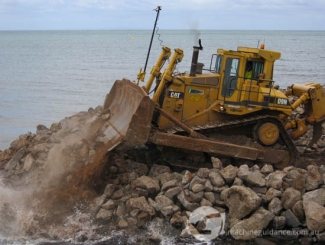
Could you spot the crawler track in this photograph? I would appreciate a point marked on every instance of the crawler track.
(240, 131)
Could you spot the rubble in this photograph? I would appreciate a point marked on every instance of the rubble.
(125, 193)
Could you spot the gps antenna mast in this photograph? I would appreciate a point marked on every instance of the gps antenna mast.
(142, 74)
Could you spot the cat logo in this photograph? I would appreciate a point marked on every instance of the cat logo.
(176, 95)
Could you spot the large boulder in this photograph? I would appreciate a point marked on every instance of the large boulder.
(252, 227)
(315, 216)
(289, 197)
(315, 196)
(314, 178)
(241, 201)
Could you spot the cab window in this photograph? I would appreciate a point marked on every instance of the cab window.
(253, 69)
(230, 77)
(257, 69)
(218, 63)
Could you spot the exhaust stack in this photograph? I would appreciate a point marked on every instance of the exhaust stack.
(195, 58)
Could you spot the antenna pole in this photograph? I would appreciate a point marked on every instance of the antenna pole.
(142, 73)
(152, 35)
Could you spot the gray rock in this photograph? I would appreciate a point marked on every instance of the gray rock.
(118, 194)
(322, 169)
(220, 189)
(271, 193)
(275, 179)
(203, 172)
(289, 197)
(109, 190)
(123, 224)
(138, 192)
(186, 204)
(237, 181)
(315, 196)
(196, 180)
(104, 214)
(163, 201)
(16, 158)
(110, 204)
(143, 219)
(299, 183)
(133, 176)
(315, 216)
(139, 168)
(196, 197)
(171, 192)
(141, 204)
(164, 177)
(229, 173)
(275, 206)
(292, 220)
(97, 203)
(169, 184)
(189, 231)
(158, 169)
(298, 211)
(197, 188)
(120, 210)
(135, 212)
(187, 177)
(145, 182)
(208, 186)
(267, 169)
(29, 162)
(241, 201)
(216, 163)
(210, 196)
(178, 220)
(216, 179)
(253, 178)
(314, 178)
(176, 176)
(279, 222)
(167, 211)
(259, 190)
(205, 202)
(259, 220)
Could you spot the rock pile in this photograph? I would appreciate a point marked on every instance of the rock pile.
(127, 194)
(255, 200)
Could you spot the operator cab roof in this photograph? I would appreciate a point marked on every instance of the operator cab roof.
(269, 55)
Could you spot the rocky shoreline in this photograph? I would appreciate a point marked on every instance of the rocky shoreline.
(68, 164)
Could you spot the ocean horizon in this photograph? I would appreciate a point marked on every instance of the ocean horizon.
(47, 75)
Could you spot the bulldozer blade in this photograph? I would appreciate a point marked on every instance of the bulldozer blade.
(317, 133)
(131, 111)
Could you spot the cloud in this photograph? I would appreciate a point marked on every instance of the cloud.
(176, 14)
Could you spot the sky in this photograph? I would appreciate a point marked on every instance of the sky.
(175, 14)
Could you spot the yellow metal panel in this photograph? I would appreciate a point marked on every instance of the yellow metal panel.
(195, 101)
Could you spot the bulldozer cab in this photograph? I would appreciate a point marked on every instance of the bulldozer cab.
(247, 79)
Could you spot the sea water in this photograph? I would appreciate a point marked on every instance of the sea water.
(48, 75)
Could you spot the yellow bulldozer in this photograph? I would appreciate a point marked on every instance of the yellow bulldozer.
(232, 109)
